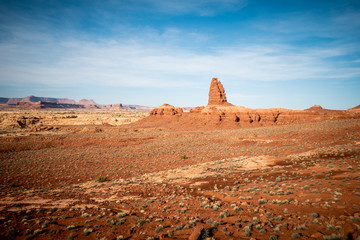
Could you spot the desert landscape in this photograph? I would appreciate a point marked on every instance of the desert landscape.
(214, 172)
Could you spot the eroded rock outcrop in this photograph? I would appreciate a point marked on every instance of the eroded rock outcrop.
(217, 94)
(221, 114)
(166, 110)
(320, 109)
(25, 122)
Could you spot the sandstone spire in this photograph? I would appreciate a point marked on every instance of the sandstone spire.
(217, 94)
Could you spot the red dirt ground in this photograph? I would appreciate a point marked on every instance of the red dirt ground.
(298, 181)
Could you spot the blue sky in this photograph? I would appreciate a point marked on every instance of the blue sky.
(290, 54)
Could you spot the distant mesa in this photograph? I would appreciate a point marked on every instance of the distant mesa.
(46, 99)
(115, 106)
(87, 102)
(33, 102)
(220, 114)
(34, 99)
(139, 107)
(13, 101)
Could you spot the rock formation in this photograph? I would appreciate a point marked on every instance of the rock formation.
(357, 108)
(319, 109)
(87, 102)
(315, 108)
(221, 114)
(34, 99)
(217, 94)
(33, 102)
(166, 110)
(114, 106)
(13, 101)
(43, 105)
(25, 122)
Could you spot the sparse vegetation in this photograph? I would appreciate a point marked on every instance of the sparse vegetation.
(262, 201)
(141, 222)
(333, 237)
(247, 230)
(159, 229)
(151, 186)
(102, 179)
(87, 231)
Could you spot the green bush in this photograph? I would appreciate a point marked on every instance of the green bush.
(159, 229)
(102, 179)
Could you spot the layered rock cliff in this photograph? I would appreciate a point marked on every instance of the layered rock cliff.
(217, 94)
(221, 114)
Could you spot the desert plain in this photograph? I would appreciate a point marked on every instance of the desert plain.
(101, 174)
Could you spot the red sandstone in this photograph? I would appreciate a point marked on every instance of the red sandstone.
(221, 114)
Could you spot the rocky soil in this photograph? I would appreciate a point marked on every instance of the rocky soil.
(101, 181)
(14, 122)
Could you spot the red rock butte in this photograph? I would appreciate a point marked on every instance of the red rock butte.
(217, 94)
(219, 114)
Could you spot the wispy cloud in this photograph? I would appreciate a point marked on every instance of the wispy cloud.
(300, 26)
(200, 7)
(151, 44)
(117, 63)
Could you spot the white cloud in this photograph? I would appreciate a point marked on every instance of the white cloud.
(115, 63)
(171, 56)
